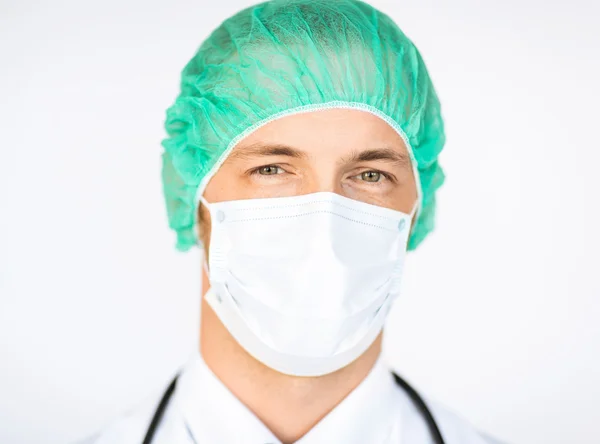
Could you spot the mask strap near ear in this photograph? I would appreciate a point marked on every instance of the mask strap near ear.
(414, 210)
(205, 265)
(196, 227)
(204, 258)
(205, 202)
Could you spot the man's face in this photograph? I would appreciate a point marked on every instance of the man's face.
(349, 152)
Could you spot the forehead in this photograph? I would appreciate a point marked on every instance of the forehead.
(327, 131)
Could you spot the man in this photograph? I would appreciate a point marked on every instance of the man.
(302, 155)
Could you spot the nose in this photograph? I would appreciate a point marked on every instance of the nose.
(324, 178)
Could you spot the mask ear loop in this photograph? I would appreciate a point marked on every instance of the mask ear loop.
(413, 212)
(205, 266)
(205, 259)
(204, 202)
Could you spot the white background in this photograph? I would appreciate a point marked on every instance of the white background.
(500, 315)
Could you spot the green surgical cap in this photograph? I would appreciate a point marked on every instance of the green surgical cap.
(288, 56)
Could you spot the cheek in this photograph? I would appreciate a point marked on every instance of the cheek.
(396, 196)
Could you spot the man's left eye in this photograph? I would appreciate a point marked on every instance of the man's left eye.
(269, 170)
(371, 176)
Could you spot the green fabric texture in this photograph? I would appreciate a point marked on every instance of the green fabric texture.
(278, 56)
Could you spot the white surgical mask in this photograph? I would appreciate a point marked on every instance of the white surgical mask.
(304, 283)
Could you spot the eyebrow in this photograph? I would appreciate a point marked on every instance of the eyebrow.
(385, 154)
(259, 149)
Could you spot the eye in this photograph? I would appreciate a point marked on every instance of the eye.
(268, 170)
(371, 176)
